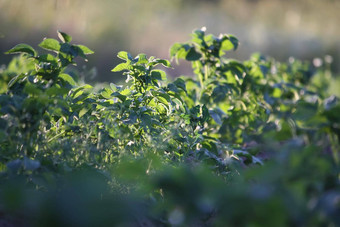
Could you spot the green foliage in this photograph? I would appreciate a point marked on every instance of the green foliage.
(253, 143)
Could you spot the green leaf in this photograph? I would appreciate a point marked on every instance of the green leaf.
(146, 119)
(83, 111)
(77, 50)
(180, 83)
(65, 38)
(162, 97)
(220, 92)
(164, 62)
(126, 92)
(192, 55)
(47, 58)
(116, 87)
(132, 119)
(50, 44)
(72, 50)
(121, 67)
(177, 97)
(85, 50)
(106, 93)
(227, 45)
(172, 87)
(158, 74)
(234, 41)
(183, 52)
(32, 89)
(80, 90)
(198, 37)
(67, 78)
(15, 79)
(180, 138)
(194, 111)
(124, 55)
(175, 49)
(119, 95)
(53, 91)
(211, 41)
(65, 59)
(216, 117)
(142, 59)
(22, 48)
(161, 94)
(205, 114)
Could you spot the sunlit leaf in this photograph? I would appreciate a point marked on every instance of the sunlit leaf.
(50, 44)
(85, 50)
(121, 67)
(158, 74)
(67, 78)
(22, 48)
(65, 38)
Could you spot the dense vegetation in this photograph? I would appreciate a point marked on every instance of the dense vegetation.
(253, 143)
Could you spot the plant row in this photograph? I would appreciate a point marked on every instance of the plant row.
(234, 144)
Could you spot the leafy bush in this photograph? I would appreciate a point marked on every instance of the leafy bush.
(253, 143)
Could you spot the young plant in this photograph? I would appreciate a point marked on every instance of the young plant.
(36, 98)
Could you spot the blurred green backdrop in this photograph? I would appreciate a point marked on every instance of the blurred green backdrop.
(280, 28)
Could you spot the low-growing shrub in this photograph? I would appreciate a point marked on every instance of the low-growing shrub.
(253, 143)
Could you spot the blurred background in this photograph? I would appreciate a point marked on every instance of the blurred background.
(305, 29)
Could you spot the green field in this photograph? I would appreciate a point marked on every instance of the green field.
(145, 117)
(241, 143)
